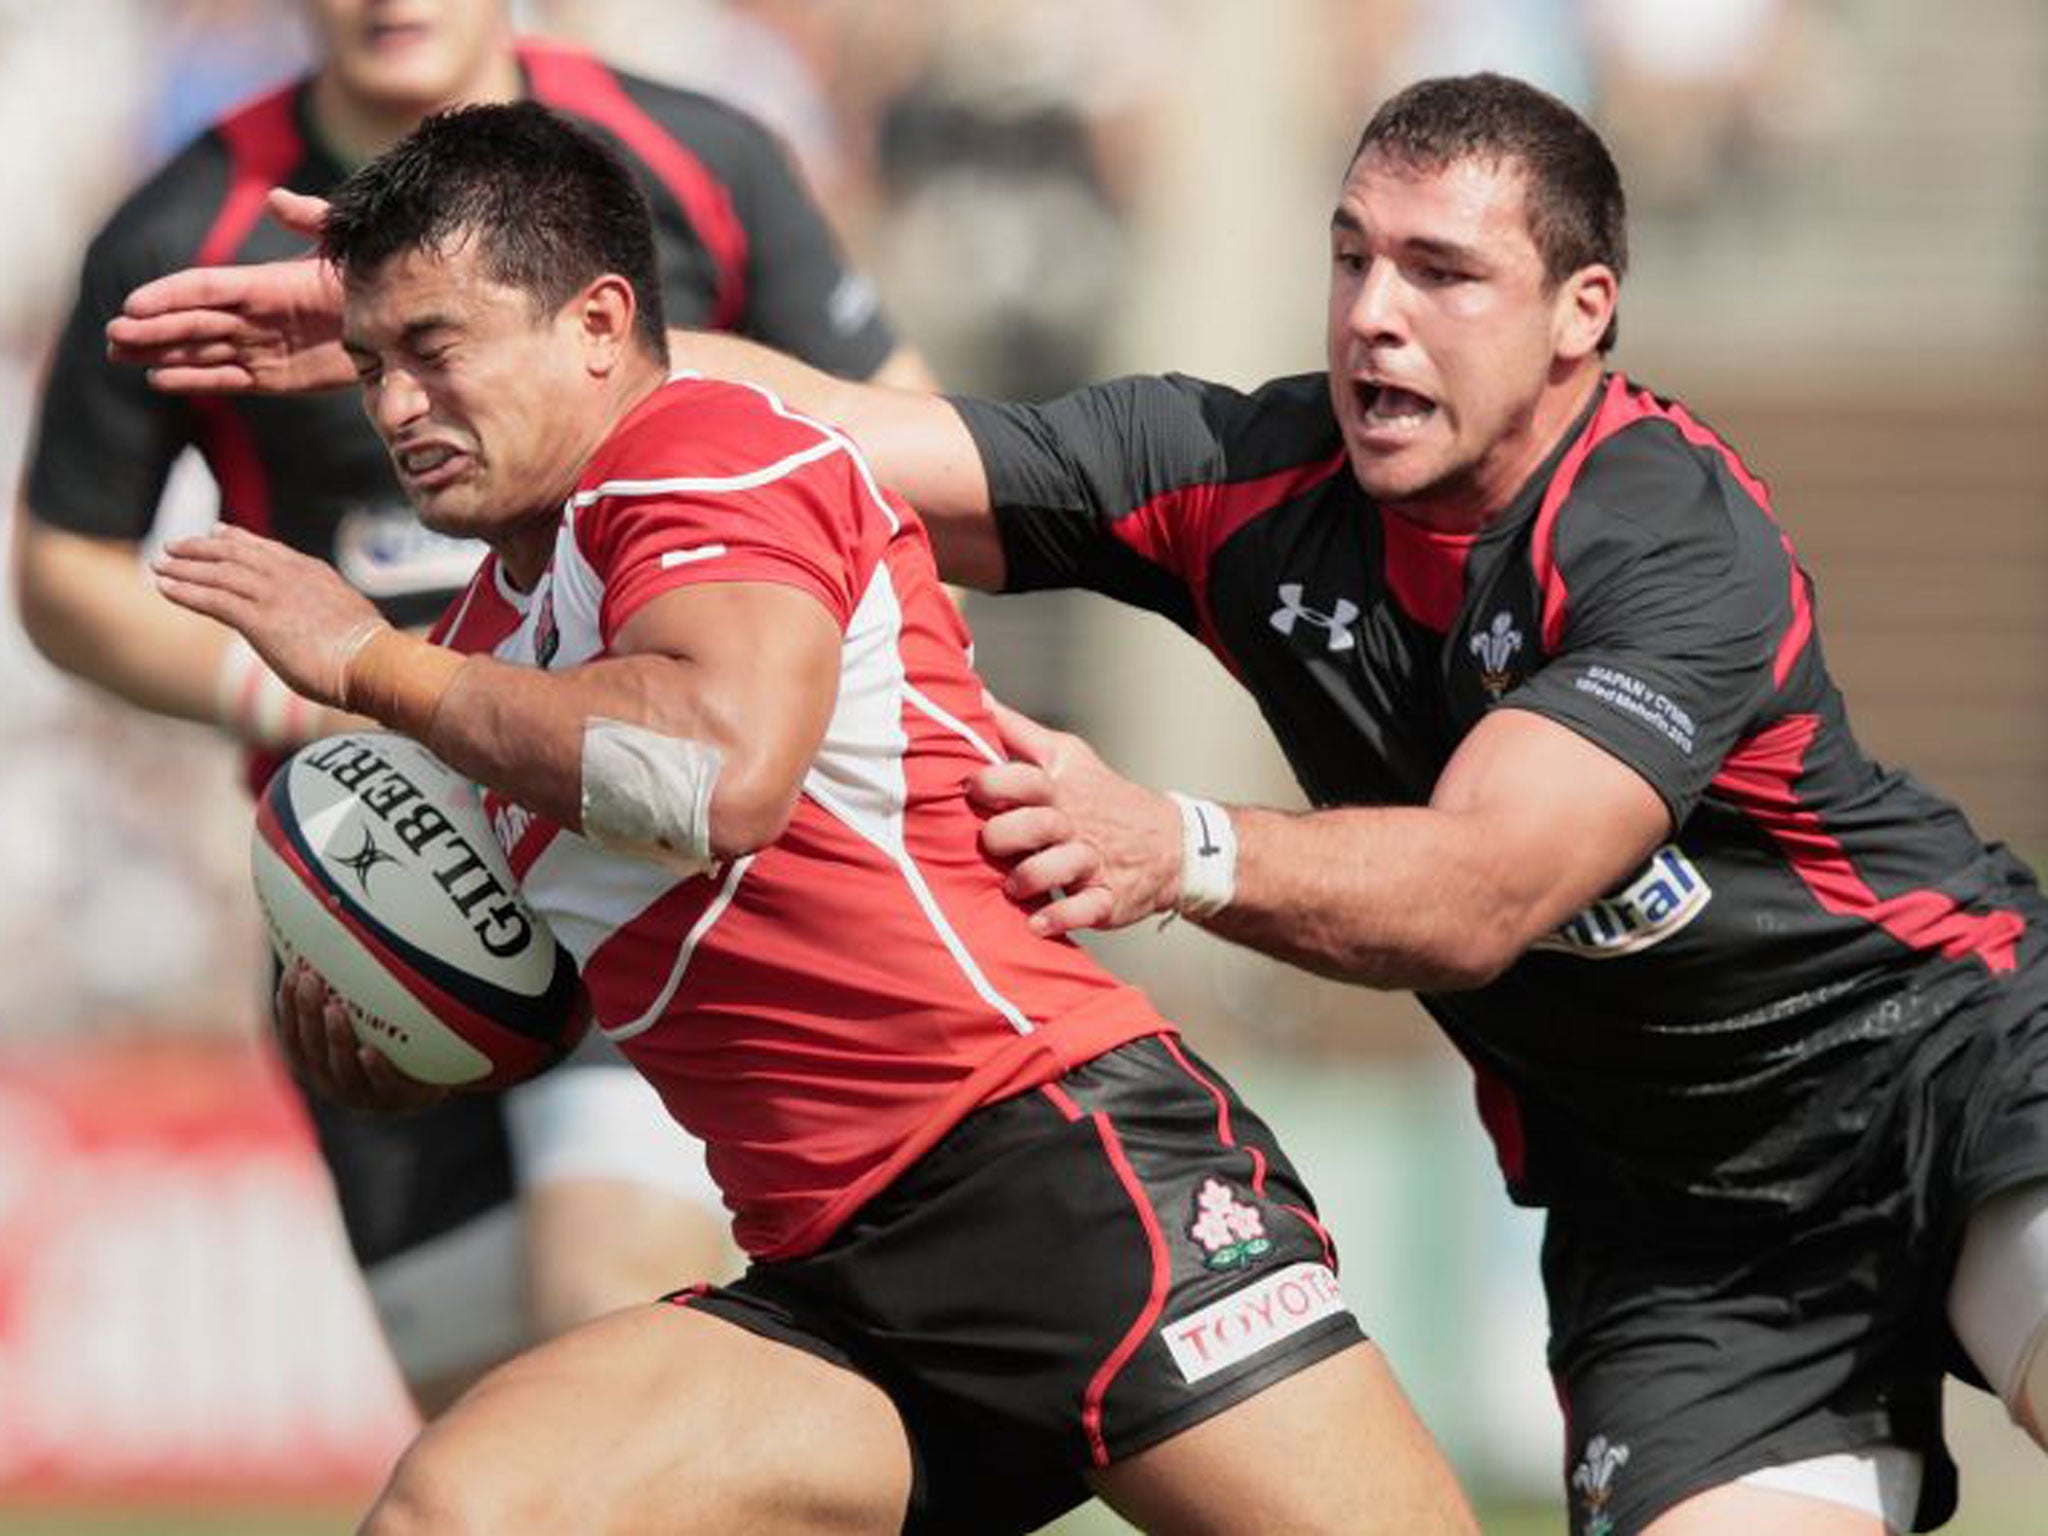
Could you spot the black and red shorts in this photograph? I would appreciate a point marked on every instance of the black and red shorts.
(1070, 1276)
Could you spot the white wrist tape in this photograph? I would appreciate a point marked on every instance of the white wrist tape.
(253, 704)
(648, 794)
(1208, 857)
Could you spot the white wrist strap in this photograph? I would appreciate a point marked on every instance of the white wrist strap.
(252, 703)
(1208, 857)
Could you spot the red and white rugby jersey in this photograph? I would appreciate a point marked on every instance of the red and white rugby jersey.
(822, 1011)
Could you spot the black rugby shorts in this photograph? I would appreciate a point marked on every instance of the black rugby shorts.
(1070, 1276)
(1687, 1358)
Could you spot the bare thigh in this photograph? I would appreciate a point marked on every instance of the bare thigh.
(1736, 1510)
(657, 1421)
(595, 1245)
(1334, 1449)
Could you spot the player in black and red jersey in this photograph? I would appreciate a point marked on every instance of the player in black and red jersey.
(1010, 1241)
(1763, 1025)
(460, 1272)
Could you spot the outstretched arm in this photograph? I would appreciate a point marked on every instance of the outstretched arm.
(272, 329)
(1529, 823)
(915, 441)
(746, 671)
(275, 327)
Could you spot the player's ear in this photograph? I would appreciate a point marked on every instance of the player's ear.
(1583, 310)
(604, 313)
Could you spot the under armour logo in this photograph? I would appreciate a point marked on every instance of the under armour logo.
(1336, 623)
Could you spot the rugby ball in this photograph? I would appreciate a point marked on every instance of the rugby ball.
(375, 863)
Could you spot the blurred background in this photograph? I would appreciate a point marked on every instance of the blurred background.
(1840, 229)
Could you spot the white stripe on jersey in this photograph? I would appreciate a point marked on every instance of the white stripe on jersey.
(468, 596)
(590, 893)
(676, 557)
(711, 914)
(857, 775)
(959, 728)
(860, 463)
(712, 485)
(890, 841)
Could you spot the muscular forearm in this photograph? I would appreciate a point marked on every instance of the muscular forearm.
(1395, 898)
(521, 731)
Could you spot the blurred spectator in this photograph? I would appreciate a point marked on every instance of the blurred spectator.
(1006, 146)
(212, 54)
(81, 144)
(1542, 41)
(1683, 90)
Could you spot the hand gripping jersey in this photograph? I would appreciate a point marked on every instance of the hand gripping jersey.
(741, 248)
(1710, 1040)
(819, 1013)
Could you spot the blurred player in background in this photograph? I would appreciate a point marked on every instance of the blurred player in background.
(723, 715)
(487, 1222)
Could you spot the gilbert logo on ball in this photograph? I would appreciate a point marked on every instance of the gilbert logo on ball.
(374, 863)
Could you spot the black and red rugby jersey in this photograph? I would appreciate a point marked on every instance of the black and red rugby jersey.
(1711, 1039)
(741, 246)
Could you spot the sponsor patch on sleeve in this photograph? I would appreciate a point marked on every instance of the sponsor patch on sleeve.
(1252, 1320)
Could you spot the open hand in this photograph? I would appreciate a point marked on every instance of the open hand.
(272, 328)
(301, 617)
(1103, 851)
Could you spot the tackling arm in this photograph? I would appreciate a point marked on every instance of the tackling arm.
(275, 327)
(1529, 823)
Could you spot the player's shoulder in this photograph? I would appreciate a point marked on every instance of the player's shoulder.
(624, 104)
(1653, 474)
(162, 222)
(1281, 424)
(699, 429)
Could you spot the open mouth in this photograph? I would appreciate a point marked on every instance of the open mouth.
(1390, 406)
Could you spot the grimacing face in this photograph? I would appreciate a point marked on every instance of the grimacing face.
(410, 55)
(488, 410)
(1454, 361)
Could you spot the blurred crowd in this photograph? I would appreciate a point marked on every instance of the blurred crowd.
(996, 164)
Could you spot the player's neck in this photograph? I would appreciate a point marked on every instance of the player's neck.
(639, 378)
(355, 128)
(528, 544)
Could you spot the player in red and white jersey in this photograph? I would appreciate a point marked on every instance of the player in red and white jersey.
(485, 1223)
(749, 992)
(1012, 1242)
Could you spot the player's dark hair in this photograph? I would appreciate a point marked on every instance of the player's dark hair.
(552, 208)
(1577, 215)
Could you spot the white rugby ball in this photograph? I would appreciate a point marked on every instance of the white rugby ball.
(375, 863)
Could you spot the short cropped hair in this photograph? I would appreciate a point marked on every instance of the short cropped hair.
(552, 208)
(1577, 214)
